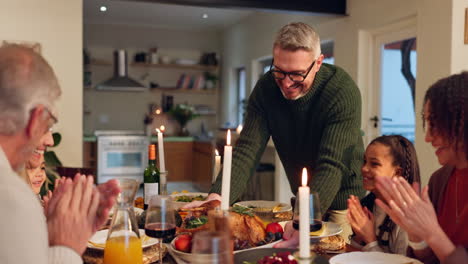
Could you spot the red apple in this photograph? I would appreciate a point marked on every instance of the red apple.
(274, 228)
(183, 243)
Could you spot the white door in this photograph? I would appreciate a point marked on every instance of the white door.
(391, 108)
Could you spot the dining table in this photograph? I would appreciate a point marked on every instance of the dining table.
(322, 257)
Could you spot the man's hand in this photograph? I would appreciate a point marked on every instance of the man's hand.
(361, 220)
(290, 237)
(108, 193)
(71, 213)
(194, 204)
(45, 199)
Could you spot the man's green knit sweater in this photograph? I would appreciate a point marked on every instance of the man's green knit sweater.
(319, 131)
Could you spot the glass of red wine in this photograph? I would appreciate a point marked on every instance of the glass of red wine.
(160, 220)
(315, 218)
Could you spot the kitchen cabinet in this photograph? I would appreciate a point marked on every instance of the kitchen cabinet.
(90, 155)
(203, 163)
(186, 161)
(178, 157)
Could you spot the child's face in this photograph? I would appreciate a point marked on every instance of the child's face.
(37, 177)
(377, 162)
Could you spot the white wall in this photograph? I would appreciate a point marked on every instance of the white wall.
(57, 26)
(126, 110)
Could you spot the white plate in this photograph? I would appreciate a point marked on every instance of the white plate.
(188, 256)
(372, 257)
(99, 239)
(331, 229)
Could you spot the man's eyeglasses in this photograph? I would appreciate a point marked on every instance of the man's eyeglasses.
(293, 76)
(53, 119)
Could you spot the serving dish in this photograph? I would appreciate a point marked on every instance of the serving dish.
(269, 211)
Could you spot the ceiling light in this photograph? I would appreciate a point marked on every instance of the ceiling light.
(205, 16)
(103, 8)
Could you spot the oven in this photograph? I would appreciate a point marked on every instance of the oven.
(121, 154)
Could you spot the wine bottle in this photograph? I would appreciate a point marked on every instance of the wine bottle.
(151, 176)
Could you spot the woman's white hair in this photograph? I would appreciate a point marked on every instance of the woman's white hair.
(298, 35)
(26, 81)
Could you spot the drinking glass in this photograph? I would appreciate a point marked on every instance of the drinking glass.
(315, 217)
(160, 220)
(212, 247)
(123, 244)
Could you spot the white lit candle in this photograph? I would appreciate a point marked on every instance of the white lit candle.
(304, 228)
(162, 164)
(217, 165)
(226, 184)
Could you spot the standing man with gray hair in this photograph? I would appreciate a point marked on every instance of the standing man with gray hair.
(28, 92)
(312, 111)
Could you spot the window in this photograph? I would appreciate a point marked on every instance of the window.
(327, 51)
(265, 64)
(241, 99)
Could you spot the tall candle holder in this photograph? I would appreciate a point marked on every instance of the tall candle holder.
(163, 182)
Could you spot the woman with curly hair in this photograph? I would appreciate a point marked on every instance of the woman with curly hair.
(386, 156)
(437, 231)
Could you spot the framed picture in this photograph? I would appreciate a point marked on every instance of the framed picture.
(36, 46)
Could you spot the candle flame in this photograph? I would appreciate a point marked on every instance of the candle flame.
(162, 128)
(216, 152)
(228, 140)
(158, 111)
(304, 177)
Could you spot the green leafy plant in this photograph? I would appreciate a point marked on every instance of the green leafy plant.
(52, 162)
(183, 113)
(211, 77)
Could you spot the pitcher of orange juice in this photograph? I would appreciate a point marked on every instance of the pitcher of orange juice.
(123, 243)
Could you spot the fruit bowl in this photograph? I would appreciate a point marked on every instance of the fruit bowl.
(206, 258)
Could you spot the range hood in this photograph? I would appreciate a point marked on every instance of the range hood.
(120, 81)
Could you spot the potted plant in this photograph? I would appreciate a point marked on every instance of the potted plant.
(183, 113)
(210, 80)
(52, 162)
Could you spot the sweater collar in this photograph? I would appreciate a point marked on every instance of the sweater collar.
(321, 78)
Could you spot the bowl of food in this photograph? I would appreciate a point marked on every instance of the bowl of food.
(269, 211)
(181, 199)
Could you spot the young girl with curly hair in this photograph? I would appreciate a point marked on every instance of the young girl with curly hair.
(386, 156)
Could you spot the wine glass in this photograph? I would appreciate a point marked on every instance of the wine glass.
(315, 217)
(212, 247)
(160, 220)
